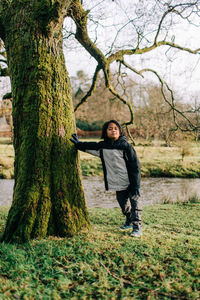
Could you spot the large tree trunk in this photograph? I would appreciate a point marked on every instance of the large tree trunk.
(48, 195)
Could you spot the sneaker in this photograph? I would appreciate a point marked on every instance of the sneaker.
(126, 227)
(136, 233)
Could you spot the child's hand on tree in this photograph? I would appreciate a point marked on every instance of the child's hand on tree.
(75, 139)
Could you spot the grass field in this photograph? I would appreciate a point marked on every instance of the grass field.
(6, 158)
(181, 160)
(105, 263)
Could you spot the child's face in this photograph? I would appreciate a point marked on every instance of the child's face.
(113, 132)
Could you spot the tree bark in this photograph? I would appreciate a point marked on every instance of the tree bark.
(48, 194)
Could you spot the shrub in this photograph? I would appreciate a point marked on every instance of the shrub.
(87, 126)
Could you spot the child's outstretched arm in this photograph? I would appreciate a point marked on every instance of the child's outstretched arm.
(89, 147)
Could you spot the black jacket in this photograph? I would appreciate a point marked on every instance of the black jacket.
(119, 160)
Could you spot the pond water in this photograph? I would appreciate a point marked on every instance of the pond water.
(153, 191)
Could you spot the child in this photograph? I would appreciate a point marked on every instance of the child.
(121, 171)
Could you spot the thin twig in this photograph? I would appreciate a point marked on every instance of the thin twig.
(91, 90)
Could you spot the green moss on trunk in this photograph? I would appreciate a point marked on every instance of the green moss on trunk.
(48, 194)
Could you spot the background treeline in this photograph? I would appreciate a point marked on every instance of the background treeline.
(153, 117)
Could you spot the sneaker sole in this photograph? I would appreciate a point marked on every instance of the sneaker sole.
(127, 229)
(135, 235)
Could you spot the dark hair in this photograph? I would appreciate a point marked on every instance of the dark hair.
(105, 127)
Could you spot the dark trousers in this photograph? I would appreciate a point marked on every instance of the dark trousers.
(131, 207)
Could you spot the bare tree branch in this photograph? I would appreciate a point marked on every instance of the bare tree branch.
(92, 88)
(160, 24)
(77, 13)
(116, 36)
(171, 104)
(119, 54)
(79, 16)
